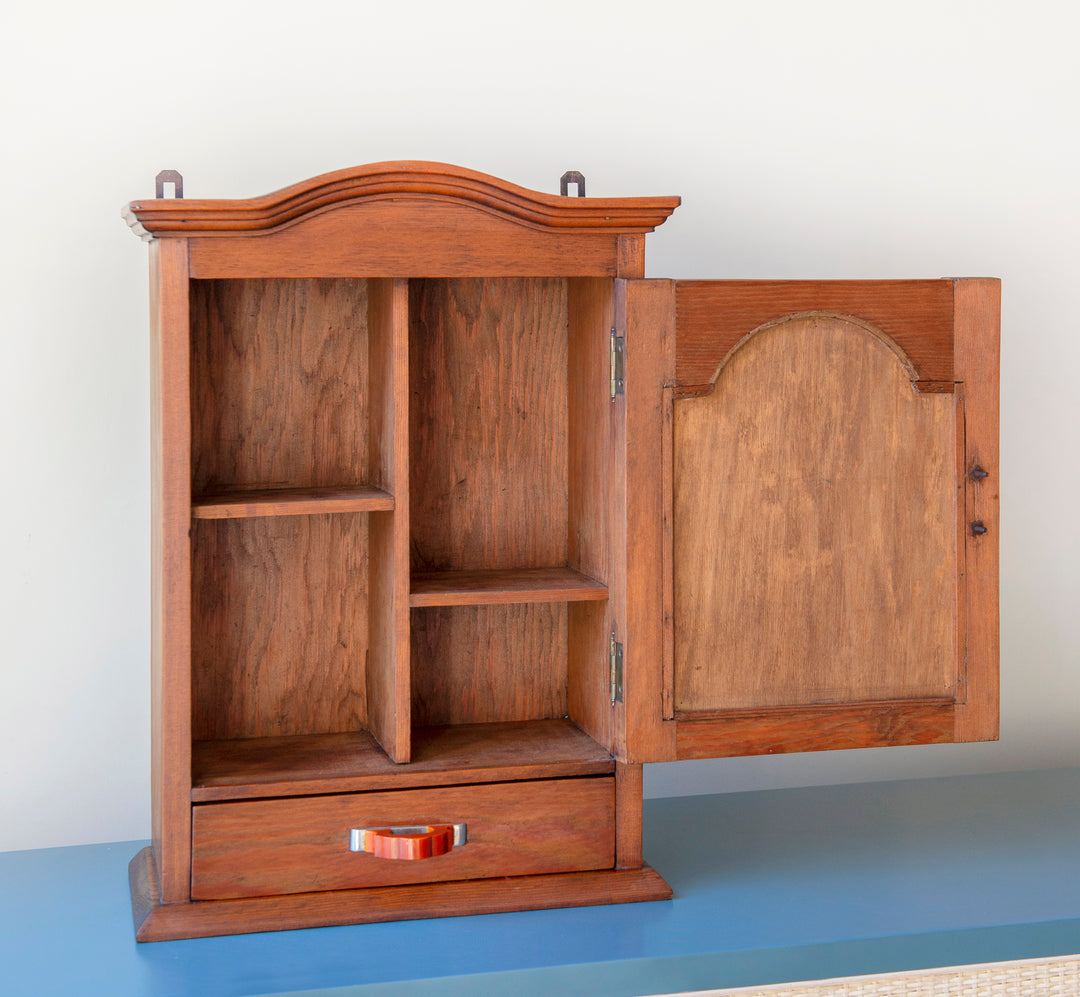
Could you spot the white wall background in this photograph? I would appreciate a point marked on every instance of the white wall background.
(828, 139)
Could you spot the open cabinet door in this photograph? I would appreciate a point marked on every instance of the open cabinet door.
(826, 520)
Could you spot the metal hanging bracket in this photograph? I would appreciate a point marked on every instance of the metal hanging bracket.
(569, 177)
(169, 176)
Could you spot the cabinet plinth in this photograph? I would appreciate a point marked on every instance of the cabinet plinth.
(458, 520)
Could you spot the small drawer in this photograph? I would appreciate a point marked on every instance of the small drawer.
(302, 844)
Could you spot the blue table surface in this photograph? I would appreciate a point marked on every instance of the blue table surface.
(770, 887)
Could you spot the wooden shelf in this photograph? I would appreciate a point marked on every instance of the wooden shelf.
(441, 756)
(480, 588)
(290, 502)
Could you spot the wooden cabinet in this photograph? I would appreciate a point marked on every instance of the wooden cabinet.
(458, 520)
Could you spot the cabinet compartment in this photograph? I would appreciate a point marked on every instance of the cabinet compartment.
(478, 664)
(509, 454)
(279, 384)
(270, 847)
(488, 423)
(298, 540)
(279, 625)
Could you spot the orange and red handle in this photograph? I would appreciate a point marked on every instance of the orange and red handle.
(414, 842)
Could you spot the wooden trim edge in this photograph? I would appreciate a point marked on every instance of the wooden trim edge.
(156, 922)
(730, 733)
(978, 325)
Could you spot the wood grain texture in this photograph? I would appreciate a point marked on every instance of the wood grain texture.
(170, 577)
(279, 384)
(631, 256)
(478, 588)
(590, 308)
(667, 483)
(273, 847)
(978, 321)
(814, 527)
(409, 182)
(588, 686)
(590, 305)
(441, 756)
(156, 922)
(290, 502)
(488, 424)
(388, 684)
(280, 632)
(407, 239)
(484, 664)
(713, 316)
(645, 313)
(629, 787)
(734, 733)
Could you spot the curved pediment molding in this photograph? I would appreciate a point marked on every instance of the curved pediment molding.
(913, 317)
(840, 321)
(404, 180)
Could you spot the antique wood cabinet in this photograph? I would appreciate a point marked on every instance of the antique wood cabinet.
(458, 520)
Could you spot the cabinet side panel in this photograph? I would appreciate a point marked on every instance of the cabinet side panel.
(488, 423)
(170, 569)
(589, 487)
(978, 320)
(279, 625)
(814, 527)
(388, 694)
(485, 664)
(279, 384)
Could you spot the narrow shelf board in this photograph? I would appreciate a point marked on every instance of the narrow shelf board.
(478, 588)
(353, 762)
(290, 502)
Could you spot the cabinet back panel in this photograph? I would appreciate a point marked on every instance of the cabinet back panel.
(488, 423)
(485, 664)
(279, 372)
(814, 526)
(279, 626)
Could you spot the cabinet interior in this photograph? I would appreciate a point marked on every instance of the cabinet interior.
(300, 486)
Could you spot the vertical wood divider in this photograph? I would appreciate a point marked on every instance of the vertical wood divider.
(170, 582)
(388, 681)
(977, 318)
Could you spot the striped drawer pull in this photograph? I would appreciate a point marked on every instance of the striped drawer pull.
(421, 841)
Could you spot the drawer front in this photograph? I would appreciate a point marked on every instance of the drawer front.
(302, 844)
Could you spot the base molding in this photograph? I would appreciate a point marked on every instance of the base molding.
(155, 921)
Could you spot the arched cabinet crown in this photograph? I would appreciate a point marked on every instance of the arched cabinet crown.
(407, 219)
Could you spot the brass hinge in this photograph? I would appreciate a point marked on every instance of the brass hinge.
(618, 364)
(616, 670)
